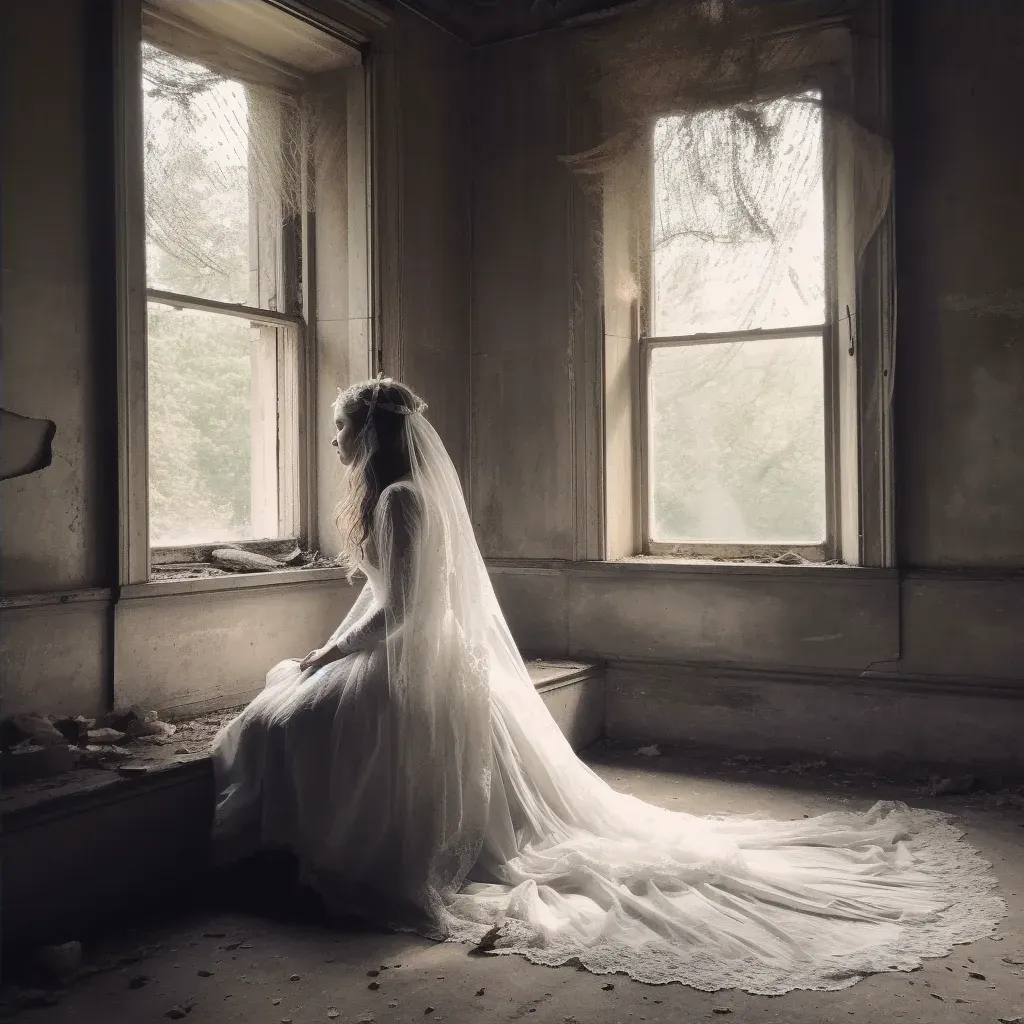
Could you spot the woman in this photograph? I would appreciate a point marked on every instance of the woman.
(412, 768)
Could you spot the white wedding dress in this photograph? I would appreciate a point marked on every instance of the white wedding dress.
(421, 782)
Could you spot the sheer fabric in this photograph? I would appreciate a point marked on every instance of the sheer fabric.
(422, 782)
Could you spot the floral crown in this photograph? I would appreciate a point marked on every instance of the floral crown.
(374, 403)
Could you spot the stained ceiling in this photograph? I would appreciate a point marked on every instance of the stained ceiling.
(486, 21)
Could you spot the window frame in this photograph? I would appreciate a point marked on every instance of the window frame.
(859, 421)
(829, 549)
(357, 23)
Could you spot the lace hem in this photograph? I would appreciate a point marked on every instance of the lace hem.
(939, 851)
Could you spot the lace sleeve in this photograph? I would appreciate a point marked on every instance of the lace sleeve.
(396, 524)
(359, 608)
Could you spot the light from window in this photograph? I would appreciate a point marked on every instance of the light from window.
(212, 235)
(736, 421)
(738, 442)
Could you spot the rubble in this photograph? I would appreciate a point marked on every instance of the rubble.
(104, 737)
(36, 728)
(34, 747)
(28, 761)
(73, 728)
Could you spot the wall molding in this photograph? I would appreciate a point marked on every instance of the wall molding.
(627, 567)
(630, 568)
(836, 715)
(48, 599)
(869, 681)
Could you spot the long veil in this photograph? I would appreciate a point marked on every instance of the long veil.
(509, 832)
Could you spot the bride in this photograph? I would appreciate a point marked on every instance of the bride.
(414, 771)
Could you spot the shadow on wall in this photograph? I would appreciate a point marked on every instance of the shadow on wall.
(26, 444)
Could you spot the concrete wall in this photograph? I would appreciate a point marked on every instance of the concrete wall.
(66, 644)
(960, 214)
(950, 615)
(53, 532)
(522, 472)
(433, 95)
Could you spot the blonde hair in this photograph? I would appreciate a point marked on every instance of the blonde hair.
(377, 412)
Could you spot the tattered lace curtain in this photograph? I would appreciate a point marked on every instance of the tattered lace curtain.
(740, 103)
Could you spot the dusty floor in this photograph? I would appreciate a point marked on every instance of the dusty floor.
(273, 962)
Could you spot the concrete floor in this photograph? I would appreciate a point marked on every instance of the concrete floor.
(280, 964)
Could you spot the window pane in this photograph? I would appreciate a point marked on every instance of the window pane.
(202, 367)
(197, 179)
(738, 219)
(737, 438)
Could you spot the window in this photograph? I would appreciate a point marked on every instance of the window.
(225, 314)
(738, 379)
(250, 127)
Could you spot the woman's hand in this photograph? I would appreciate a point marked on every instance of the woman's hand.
(320, 657)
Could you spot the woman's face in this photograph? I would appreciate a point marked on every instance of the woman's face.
(344, 439)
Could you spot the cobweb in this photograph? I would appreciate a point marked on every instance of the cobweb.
(728, 113)
(218, 149)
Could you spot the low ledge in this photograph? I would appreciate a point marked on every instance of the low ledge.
(153, 768)
(90, 845)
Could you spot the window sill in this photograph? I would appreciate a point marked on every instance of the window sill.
(682, 566)
(241, 581)
(651, 566)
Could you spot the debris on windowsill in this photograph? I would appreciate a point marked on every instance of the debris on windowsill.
(652, 751)
(239, 560)
(785, 558)
(228, 561)
(789, 558)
